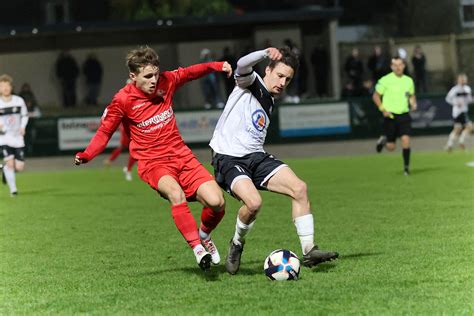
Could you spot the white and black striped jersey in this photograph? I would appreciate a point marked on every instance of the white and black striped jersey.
(13, 117)
(459, 97)
(243, 125)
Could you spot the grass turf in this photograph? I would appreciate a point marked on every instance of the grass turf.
(86, 241)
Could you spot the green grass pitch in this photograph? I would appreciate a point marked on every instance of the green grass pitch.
(88, 242)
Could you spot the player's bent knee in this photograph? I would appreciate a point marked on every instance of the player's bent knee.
(175, 196)
(300, 190)
(254, 204)
(216, 202)
(19, 166)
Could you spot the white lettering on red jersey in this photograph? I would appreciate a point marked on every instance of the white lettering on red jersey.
(149, 119)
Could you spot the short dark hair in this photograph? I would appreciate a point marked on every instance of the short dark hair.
(398, 57)
(141, 57)
(288, 58)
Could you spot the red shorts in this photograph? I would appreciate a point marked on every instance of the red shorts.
(185, 169)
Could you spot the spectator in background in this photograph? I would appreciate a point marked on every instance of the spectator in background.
(229, 83)
(459, 98)
(210, 84)
(367, 88)
(30, 100)
(378, 64)
(419, 69)
(93, 72)
(320, 62)
(402, 53)
(354, 68)
(298, 85)
(348, 91)
(67, 72)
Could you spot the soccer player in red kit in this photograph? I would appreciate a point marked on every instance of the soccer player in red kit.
(124, 143)
(144, 107)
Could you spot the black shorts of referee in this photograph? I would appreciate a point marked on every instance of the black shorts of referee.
(396, 126)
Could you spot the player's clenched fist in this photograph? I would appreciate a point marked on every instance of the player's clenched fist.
(227, 68)
(273, 53)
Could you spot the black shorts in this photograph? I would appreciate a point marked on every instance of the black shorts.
(12, 152)
(461, 120)
(258, 167)
(397, 126)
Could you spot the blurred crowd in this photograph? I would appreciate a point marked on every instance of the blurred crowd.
(361, 77)
(298, 88)
(68, 71)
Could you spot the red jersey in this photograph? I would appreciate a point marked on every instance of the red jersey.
(124, 138)
(148, 119)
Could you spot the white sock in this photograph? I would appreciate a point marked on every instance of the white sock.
(241, 230)
(10, 177)
(203, 235)
(451, 139)
(305, 230)
(463, 137)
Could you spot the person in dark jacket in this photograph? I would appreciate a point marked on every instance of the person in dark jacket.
(67, 72)
(93, 72)
(419, 69)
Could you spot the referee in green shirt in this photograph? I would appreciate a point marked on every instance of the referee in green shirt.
(394, 96)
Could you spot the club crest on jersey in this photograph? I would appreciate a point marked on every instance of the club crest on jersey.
(259, 120)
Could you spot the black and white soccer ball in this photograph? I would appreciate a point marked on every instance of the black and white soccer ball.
(282, 265)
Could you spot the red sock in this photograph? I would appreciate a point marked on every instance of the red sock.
(210, 219)
(130, 163)
(185, 223)
(115, 153)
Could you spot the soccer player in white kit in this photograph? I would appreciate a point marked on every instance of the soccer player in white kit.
(241, 165)
(459, 97)
(13, 121)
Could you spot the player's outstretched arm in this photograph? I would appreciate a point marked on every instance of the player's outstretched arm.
(95, 147)
(245, 64)
(109, 123)
(183, 75)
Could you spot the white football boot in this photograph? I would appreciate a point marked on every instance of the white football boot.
(203, 257)
(212, 249)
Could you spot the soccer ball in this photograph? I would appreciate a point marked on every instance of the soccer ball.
(282, 265)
